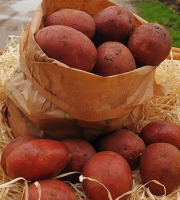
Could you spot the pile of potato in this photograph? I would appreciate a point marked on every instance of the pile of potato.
(107, 44)
(108, 161)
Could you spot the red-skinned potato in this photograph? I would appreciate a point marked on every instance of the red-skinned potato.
(37, 159)
(124, 142)
(161, 131)
(73, 18)
(68, 46)
(110, 169)
(50, 190)
(150, 44)
(14, 144)
(114, 23)
(80, 152)
(160, 162)
(113, 58)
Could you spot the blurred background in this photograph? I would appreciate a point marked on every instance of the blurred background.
(16, 14)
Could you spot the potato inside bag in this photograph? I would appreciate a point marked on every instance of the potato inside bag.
(83, 95)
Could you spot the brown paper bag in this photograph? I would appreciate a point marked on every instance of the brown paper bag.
(84, 96)
(28, 109)
(19, 123)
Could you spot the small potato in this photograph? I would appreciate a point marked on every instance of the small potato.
(113, 58)
(150, 44)
(37, 159)
(68, 46)
(80, 152)
(14, 144)
(160, 162)
(50, 190)
(114, 23)
(124, 142)
(76, 19)
(161, 131)
(110, 169)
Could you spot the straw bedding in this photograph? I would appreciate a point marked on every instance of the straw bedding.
(165, 108)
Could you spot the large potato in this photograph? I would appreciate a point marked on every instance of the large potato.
(37, 159)
(150, 44)
(68, 46)
(114, 23)
(50, 190)
(11, 146)
(76, 19)
(160, 162)
(161, 131)
(113, 58)
(124, 142)
(110, 169)
(80, 152)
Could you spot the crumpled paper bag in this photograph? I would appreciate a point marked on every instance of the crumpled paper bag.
(67, 102)
(30, 112)
(84, 96)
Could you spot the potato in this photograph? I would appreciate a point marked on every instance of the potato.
(37, 159)
(50, 190)
(76, 19)
(113, 58)
(161, 131)
(11, 146)
(150, 44)
(80, 152)
(67, 45)
(124, 142)
(161, 162)
(114, 23)
(110, 169)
